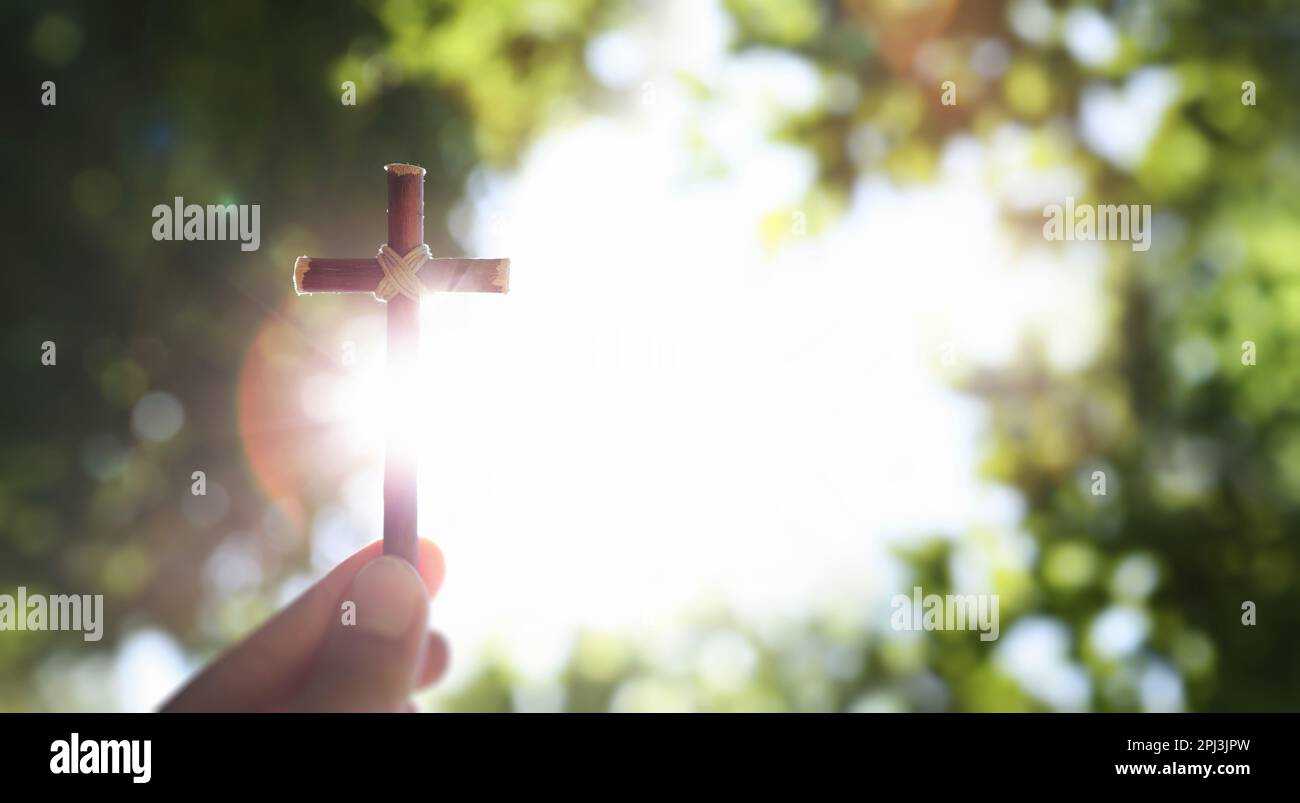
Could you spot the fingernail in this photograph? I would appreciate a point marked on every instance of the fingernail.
(388, 594)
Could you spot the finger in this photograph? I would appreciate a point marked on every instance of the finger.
(261, 671)
(372, 664)
(437, 654)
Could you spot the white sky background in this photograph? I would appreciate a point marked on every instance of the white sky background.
(660, 415)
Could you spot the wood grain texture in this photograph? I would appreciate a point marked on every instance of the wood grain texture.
(401, 485)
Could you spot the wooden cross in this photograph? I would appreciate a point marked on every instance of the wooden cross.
(323, 275)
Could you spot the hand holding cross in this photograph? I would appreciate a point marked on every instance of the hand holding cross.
(403, 269)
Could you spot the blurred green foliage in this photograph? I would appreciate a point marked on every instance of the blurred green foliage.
(1202, 453)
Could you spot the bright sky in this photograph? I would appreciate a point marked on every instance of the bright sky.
(659, 414)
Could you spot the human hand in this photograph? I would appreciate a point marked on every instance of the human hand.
(306, 658)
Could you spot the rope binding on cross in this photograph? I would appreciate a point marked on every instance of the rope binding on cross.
(400, 271)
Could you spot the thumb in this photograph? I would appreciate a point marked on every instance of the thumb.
(370, 660)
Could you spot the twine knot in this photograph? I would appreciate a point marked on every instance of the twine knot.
(400, 272)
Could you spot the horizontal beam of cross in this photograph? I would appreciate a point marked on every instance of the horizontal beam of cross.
(362, 275)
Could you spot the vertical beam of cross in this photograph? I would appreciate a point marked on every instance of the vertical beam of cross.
(401, 461)
(327, 275)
